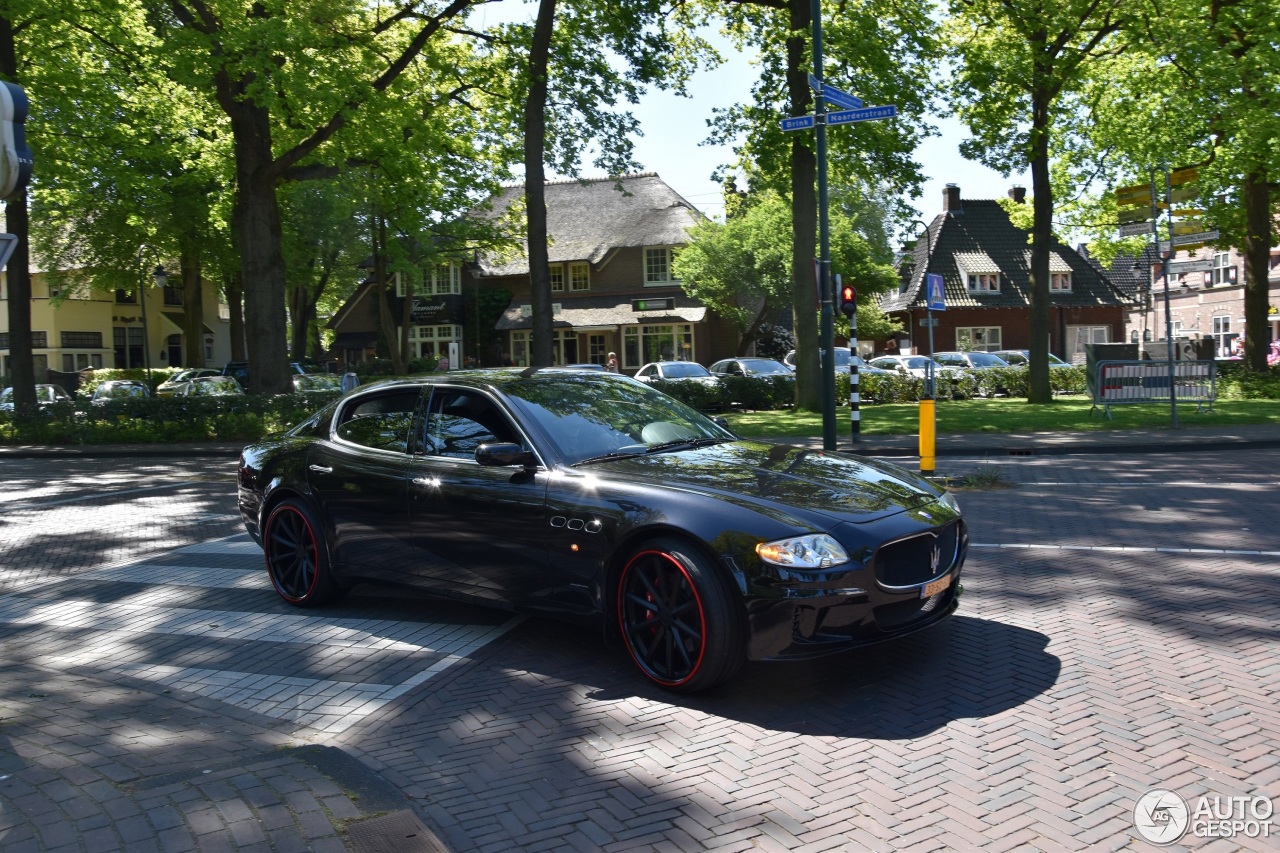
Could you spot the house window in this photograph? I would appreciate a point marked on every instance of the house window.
(443, 279)
(127, 297)
(82, 340)
(432, 341)
(1059, 282)
(657, 265)
(557, 278)
(978, 339)
(643, 344)
(984, 282)
(1222, 336)
(579, 277)
(172, 295)
(564, 347)
(1223, 272)
(1078, 336)
(73, 362)
(224, 312)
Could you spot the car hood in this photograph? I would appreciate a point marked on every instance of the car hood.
(783, 480)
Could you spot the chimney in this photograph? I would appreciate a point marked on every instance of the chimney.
(1018, 194)
(951, 198)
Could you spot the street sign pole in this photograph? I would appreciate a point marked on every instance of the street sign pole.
(1168, 318)
(826, 329)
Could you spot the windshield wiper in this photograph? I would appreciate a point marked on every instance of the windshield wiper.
(609, 457)
(685, 443)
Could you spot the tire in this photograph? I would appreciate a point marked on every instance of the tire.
(298, 556)
(681, 623)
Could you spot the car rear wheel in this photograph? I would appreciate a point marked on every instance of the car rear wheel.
(678, 617)
(298, 556)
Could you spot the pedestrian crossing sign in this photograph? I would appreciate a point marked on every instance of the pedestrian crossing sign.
(933, 284)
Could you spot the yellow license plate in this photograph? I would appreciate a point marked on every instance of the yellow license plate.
(931, 589)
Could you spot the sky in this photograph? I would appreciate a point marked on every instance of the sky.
(674, 127)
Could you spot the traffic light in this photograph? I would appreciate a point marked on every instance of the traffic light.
(848, 300)
(15, 156)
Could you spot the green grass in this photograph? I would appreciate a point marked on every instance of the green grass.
(1003, 415)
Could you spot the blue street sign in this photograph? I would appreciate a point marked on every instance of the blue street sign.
(865, 114)
(933, 284)
(797, 123)
(840, 98)
(814, 84)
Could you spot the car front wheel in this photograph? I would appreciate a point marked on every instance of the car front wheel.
(678, 617)
(298, 556)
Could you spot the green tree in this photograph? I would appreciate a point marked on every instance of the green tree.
(882, 51)
(741, 269)
(1018, 63)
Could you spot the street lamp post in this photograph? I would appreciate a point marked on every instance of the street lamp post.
(161, 277)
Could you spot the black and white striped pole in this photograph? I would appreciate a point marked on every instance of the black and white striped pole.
(849, 307)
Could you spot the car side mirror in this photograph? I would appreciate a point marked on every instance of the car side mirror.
(504, 454)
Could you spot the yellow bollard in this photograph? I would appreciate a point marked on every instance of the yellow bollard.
(928, 430)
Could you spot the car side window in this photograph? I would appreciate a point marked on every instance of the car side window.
(459, 421)
(381, 421)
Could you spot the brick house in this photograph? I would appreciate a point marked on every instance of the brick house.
(985, 263)
(612, 284)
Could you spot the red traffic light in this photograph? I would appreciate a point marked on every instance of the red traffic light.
(848, 300)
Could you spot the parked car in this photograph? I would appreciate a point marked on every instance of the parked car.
(46, 395)
(212, 386)
(585, 366)
(173, 385)
(1018, 357)
(761, 368)
(592, 497)
(844, 358)
(119, 389)
(668, 371)
(970, 360)
(240, 369)
(916, 365)
(316, 383)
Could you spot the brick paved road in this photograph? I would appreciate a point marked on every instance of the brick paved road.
(1118, 633)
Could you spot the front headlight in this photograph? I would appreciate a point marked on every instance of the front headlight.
(803, 552)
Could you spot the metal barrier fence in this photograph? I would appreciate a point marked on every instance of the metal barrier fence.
(1119, 382)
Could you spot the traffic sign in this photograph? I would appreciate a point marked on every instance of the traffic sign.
(1197, 237)
(936, 295)
(840, 98)
(1190, 226)
(798, 123)
(1136, 194)
(1137, 214)
(1133, 229)
(814, 83)
(864, 114)
(1178, 267)
(1185, 175)
(1184, 193)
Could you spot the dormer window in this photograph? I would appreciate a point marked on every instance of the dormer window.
(1059, 282)
(984, 282)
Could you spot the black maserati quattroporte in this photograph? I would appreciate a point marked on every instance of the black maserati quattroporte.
(592, 496)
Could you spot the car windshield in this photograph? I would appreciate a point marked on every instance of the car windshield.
(986, 359)
(683, 370)
(118, 391)
(588, 416)
(766, 366)
(916, 362)
(216, 385)
(316, 382)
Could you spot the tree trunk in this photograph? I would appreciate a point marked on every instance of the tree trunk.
(804, 218)
(382, 295)
(535, 141)
(1038, 390)
(193, 307)
(1257, 262)
(18, 272)
(256, 225)
(234, 291)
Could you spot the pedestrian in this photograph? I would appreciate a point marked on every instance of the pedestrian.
(612, 364)
(443, 364)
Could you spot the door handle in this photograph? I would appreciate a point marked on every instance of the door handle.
(321, 469)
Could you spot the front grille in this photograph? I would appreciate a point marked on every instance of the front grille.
(919, 559)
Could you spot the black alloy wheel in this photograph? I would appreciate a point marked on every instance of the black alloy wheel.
(677, 618)
(297, 556)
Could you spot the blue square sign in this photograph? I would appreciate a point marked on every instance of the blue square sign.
(936, 301)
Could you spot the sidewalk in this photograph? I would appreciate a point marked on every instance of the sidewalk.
(1188, 438)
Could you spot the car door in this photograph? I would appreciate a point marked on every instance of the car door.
(359, 478)
(480, 530)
